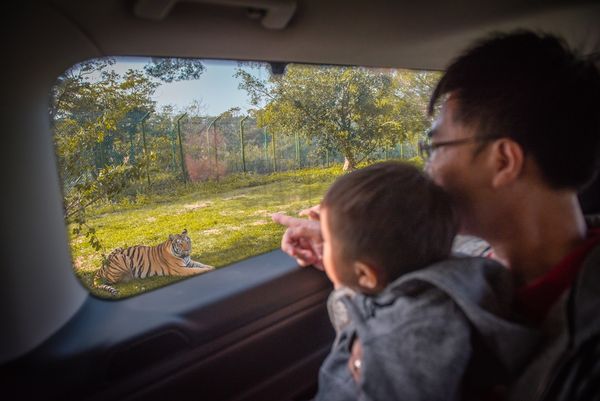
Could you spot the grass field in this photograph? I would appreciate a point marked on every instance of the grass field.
(227, 221)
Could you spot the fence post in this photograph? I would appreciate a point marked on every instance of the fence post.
(173, 149)
(274, 154)
(183, 172)
(214, 125)
(266, 149)
(326, 150)
(132, 147)
(242, 145)
(208, 143)
(215, 151)
(145, 148)
(298, 163)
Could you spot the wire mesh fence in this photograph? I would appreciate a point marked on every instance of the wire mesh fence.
(184, 149)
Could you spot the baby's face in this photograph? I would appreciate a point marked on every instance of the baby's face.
(339, 272)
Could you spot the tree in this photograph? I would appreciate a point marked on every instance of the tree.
(413, 90)
(351, 110)
(94, 116)
(64, 94)
(174, 69)
(93, 120)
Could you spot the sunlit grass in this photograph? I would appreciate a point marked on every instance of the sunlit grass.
(227, 221)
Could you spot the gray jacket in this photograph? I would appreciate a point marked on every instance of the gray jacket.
(439, 333)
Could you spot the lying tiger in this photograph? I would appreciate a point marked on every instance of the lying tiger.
(171, 258)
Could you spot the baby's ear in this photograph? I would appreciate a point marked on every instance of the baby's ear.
(368, 277)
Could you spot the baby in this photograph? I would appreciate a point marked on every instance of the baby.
(412, 322)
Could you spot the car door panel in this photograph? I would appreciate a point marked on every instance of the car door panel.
(266, 334)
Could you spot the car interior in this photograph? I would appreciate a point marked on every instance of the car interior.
(255, 330)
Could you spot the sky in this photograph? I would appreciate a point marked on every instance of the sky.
(216, 90)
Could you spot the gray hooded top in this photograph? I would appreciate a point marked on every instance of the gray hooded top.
(439, 333)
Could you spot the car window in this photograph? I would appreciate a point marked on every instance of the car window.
(172, 167)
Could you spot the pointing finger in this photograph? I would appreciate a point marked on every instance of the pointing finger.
(286, 220)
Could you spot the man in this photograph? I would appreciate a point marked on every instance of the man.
(517, 135)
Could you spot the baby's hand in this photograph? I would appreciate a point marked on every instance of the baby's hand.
(302, 239)
(313, 213)
(355, 361)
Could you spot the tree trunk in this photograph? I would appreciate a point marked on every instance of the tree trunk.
(349, 164)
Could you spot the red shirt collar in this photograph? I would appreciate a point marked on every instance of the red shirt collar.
(533, 300)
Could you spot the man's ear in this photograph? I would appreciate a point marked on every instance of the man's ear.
(368, 278)
(508, 162)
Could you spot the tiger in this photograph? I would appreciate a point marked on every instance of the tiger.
(170, 258)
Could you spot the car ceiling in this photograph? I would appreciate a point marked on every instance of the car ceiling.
(382, 33)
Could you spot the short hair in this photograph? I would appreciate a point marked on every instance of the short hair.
(392, 216)
(531, 88)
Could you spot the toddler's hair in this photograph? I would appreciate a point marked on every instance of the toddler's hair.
(392, 216)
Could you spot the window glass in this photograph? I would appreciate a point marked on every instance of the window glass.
(150, 147)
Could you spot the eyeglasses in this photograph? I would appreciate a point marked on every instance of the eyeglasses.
(426, 148)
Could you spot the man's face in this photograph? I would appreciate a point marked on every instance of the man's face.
(459, 169)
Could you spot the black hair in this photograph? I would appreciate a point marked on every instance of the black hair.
(392, 216)
(531, 88)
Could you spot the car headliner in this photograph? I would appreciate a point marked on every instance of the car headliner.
(382, 33)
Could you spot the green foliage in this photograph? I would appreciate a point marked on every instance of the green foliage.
(413, 90)
(227, 221)
(350, 110)
(110, 181)
(91, 120)
(94, 122)
(174, 69)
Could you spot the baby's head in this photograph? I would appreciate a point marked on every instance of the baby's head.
(381, 222)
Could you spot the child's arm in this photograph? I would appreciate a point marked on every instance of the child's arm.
(302, 239)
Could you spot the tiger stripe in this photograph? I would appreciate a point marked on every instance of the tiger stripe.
(170, 258)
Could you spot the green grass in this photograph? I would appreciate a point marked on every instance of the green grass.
(227, 221)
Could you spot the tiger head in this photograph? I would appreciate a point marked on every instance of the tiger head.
(181, 244)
